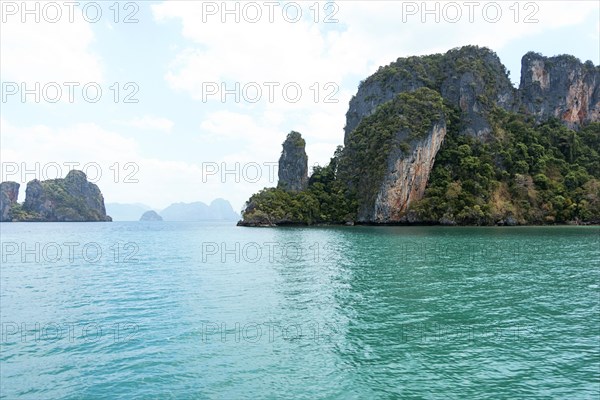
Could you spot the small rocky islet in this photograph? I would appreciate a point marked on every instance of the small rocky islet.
(151, 216)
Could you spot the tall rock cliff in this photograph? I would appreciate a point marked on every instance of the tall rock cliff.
(9, 192)
(562, 87)
(406, 177)
(72, 199)
(470, 78)
(472, 82)
(293, 163)
(390, 154)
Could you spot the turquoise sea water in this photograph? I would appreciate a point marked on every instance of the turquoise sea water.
(190, 310)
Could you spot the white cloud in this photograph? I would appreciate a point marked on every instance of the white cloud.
(244, 53)
(150, 123)
(48, 52)
(369, 34)
(596, 35)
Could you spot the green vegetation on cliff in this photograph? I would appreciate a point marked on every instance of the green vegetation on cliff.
(72, 199)
(324, 201)
(296, 139)
(523, 174)
(395, 124)
(17, 213)
(433, 69)
(526, 174)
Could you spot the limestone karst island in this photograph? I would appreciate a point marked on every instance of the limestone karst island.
(446, 139)
(439, 139)
(72, 199)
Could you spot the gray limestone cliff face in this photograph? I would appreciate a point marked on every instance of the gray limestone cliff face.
(473, 81)
(72, 199)
(406, 178)
(293, 164)
(469, 78)
(562, 87)
(9, 192)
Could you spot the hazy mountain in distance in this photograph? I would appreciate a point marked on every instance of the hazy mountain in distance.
(222, 209)
(219, 209)
(126, 212)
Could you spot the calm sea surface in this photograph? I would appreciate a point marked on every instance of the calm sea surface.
(190, 310)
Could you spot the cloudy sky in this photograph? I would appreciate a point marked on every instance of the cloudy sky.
(181, 101)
